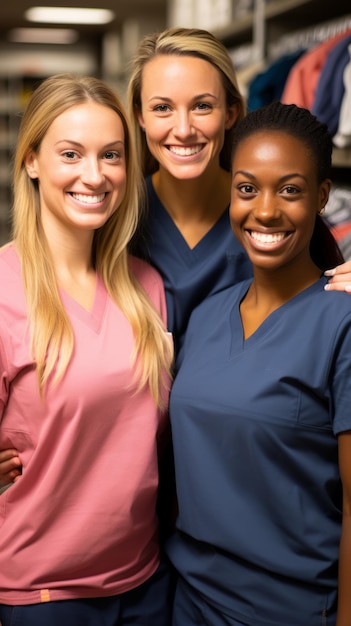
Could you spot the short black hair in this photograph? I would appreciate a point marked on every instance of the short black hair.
(303, 125)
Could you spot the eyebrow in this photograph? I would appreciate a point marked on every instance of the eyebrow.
(281, 179)
(197, 97)
(80, 145)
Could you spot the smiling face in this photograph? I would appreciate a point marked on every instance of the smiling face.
(184, 114)
(80, 168)
(275, 198)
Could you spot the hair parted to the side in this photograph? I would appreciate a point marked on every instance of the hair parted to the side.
(303, 125)
(182, 42)
(50, 329)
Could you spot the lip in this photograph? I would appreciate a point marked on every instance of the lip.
(268, 239)
(185, 151)
(88, 199)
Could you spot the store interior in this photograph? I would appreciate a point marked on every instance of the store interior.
(273, 44)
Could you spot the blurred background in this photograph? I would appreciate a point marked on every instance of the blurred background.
(268, 41)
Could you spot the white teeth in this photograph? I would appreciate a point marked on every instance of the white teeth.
(185, 151)
(267, 238)
(81, 197)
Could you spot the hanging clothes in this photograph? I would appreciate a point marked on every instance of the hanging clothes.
(301, 84)
(330, 87)
(342, 139)
(269, 84)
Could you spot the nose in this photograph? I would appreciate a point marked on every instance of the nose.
(92, 172)
(267, 207)
(183, 127)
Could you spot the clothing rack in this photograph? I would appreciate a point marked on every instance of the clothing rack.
(309, 37)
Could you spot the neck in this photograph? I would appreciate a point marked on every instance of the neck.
(205, 197)
(278, 286)
(71, 250)
(270, 290)
(75, 273)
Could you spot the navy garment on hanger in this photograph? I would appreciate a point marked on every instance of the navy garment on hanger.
(268, 85)
(330, 86)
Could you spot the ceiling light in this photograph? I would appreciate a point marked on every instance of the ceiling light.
(43, 35)
(69, 15)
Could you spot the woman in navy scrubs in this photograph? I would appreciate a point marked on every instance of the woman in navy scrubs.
(260, 407)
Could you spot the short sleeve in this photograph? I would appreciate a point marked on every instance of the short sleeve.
(341, 379)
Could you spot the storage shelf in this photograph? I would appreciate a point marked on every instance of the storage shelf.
(292, 13)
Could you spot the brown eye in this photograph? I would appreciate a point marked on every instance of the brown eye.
(162, 108)
(291, 190)
(69, 154)
(247, 189)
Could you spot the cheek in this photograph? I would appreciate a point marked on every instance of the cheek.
(156, 127)
(234, 217)
(238, 215)
(51, 178)
(56, 174)
(304, 214)
(120, 181)
(236, 228)
(238, 209)
(214, 127)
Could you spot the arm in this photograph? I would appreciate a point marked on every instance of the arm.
(10, 466)
(340, 278)
(344, 595)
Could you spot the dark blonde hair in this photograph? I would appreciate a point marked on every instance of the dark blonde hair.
(183, 42)
(51, 333)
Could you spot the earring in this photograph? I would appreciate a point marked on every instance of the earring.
(321, 211)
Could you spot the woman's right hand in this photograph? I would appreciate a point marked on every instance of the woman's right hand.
(10, 466)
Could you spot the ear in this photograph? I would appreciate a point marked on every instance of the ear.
(324, 191)
(31, 165)
(232, 116)
(140, 119)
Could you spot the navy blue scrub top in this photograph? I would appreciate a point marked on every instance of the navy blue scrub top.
(255, 426)
(190, 274)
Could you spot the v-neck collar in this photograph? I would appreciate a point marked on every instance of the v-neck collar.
(93, 317)
(238, 343)
(164, 218)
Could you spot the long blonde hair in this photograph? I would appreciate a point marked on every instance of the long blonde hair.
(51, 334)
(183, 42)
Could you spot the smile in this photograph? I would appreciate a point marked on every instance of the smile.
(267, 238)
(185, 151)
(81, 197)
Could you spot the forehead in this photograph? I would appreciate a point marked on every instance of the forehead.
(90, 118)
(87, 109)
(173, 71)
(269, 144)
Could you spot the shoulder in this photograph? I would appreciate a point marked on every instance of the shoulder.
(319, 318)
(219, 304)
(151, 282)
(153, 201)
(13, 306)
(145, 273)
(337, 303)
(10, 266)
(336, 309)
(8, 255)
